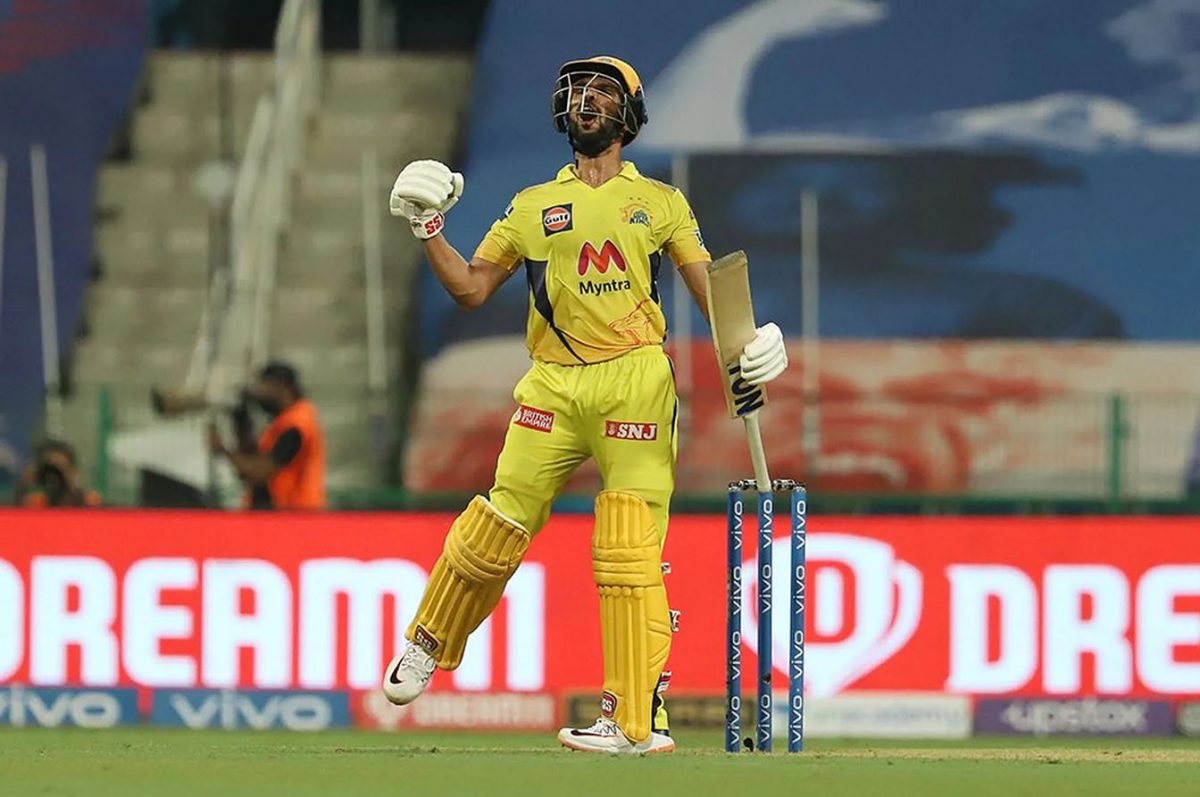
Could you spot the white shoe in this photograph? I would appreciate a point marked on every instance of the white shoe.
(605, 737)
(408, 675)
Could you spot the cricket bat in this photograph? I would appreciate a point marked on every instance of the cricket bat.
(731, 316)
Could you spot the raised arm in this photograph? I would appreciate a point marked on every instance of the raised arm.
(469, 284)
(422, 194)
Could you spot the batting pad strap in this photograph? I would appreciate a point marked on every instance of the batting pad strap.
(486, 546)
(635, 621)
(625, 549)
(482, 551)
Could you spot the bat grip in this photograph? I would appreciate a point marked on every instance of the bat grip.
(758, 456)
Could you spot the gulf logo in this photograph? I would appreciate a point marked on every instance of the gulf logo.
(556, 219)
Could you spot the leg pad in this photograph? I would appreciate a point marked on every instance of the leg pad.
(482, 551)
(635, 621)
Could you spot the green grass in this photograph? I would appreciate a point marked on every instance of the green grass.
(180, 763)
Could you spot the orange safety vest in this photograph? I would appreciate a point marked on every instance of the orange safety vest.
(300, 484)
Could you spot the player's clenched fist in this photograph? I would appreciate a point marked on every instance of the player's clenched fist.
(422, 193)
(765, 357)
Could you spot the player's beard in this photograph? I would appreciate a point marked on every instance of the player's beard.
(591, 143)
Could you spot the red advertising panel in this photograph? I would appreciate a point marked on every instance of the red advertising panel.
(984, 606)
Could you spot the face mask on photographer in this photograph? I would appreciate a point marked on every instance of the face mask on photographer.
(271, 406)
(275, 392)
(53, 483)
(56, 475)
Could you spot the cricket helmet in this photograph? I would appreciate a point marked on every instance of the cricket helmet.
(591, 74)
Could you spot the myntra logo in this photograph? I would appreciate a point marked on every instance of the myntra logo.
(608, 254)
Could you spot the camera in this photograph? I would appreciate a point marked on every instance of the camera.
(240, 415)
(52, 481)
(54, 474)
(172, 404)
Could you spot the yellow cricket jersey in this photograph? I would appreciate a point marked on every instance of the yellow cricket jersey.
(592, 257)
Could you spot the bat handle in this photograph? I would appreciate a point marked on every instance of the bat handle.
(758, 456)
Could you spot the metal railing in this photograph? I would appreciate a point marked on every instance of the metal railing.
(234, 329)
(1079, 453)
(1105, 448)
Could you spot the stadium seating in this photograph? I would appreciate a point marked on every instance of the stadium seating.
(145, 311)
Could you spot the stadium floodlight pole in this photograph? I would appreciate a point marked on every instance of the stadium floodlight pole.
(215, 182)
(373, 274)
(369, 14)
(810, 332)
(47, 298)
(3, 211)
(377, 370)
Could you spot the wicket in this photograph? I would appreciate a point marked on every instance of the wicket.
(762, 738)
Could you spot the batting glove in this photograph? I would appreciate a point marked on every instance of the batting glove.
(423, 193)
(765, 357)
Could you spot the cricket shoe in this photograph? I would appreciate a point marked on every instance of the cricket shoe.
(408, 675)
(605, 737)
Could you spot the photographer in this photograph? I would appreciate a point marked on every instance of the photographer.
(285, 467)
(53, 480)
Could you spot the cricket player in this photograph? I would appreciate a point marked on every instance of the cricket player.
(591, 241)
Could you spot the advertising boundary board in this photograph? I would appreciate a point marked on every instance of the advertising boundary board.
(992, 607)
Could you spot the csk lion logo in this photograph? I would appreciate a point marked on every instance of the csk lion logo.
(640, 326)
(636, 213)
